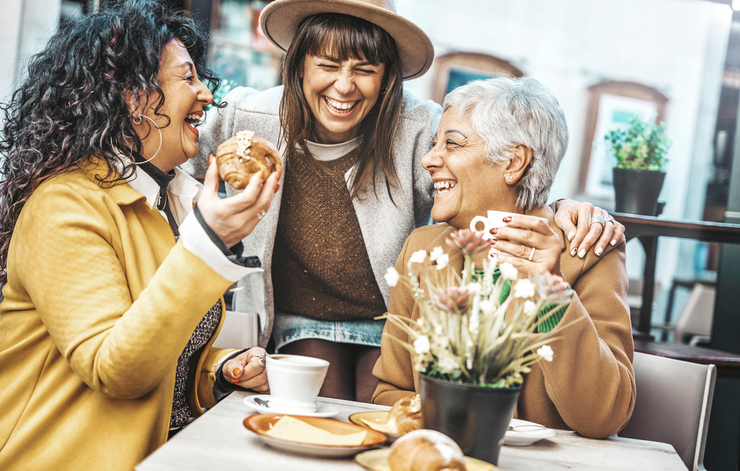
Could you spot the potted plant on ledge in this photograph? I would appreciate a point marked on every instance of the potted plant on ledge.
(473, 342)
(638, 177)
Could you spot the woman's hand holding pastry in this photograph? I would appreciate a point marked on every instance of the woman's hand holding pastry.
(248, 370)
(585, 225)
(529, 244)
(235, 217)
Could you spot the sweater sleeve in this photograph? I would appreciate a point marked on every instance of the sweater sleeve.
(591, 381)
(120, 330)
(394, 368)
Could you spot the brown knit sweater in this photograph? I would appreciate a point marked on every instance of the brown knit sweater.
(320, 266)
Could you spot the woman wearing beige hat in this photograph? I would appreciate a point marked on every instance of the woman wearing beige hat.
(354, 188)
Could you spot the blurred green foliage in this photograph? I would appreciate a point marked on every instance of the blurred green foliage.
(642, 146)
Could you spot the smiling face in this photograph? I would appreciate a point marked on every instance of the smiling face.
(467, 184)
(340, 95)
(185, 96)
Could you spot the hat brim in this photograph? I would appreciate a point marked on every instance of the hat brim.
(280, 20)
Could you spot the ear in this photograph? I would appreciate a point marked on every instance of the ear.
(517, 165)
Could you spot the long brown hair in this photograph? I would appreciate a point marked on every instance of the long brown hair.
(345, 37)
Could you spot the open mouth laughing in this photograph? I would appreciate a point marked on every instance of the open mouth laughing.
(340, 107)
(444, 186)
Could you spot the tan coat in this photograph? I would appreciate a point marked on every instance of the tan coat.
(99, 304)
(589, 386)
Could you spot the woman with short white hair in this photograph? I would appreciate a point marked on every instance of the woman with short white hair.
(497, 148)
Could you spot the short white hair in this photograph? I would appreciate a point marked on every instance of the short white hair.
(507, 112)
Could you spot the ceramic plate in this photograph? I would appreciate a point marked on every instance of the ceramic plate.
(522, 433)
(377, 418)
(253, 402)
(259, 424)
(377, 460)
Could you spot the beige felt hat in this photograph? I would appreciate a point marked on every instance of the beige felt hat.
(280, 19)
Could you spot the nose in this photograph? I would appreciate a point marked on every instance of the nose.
(204, 93)
(345, 83)
(432, 160)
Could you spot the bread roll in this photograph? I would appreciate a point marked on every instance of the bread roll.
(405, 415)
(425, 450)
(241, 156)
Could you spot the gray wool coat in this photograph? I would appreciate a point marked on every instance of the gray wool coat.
(384, 225)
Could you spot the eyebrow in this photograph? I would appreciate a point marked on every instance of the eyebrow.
(334, 59)
(450, 131)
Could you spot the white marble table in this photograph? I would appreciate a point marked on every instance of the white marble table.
(219, 441)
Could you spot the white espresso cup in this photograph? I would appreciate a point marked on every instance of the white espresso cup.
(295, 381)
(492, 220)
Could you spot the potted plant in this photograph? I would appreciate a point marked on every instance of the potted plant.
(474, 342)
(638, 176)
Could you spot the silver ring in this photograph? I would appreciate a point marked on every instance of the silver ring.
(531, 254)
(261, 214)
(609, 218)
(599, 219)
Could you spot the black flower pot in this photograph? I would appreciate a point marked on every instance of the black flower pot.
(474, 416)
(636, 191)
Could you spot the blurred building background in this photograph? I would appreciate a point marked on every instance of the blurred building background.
(678, 59)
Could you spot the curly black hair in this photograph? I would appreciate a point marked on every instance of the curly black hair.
(73, 104)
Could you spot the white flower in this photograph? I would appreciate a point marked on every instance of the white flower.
(442, 261)
(448, 365)
(421, 345)
(524, 289)
(529, 307)
(486, 306)
(473, 288)
(545, 352)
(418, 257)
(508, 271)
(391, 277)
(436, 253)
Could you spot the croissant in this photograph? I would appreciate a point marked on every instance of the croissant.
(405, 415)
(241, 156)
(425, 450)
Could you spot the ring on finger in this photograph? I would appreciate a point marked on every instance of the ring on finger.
(531, 254)
(261, 214)
(609, 218)
(598, 219)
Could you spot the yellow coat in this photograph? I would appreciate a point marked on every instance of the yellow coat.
(590, 385)
(99, 304)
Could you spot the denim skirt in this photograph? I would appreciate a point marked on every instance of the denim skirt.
(289, 327)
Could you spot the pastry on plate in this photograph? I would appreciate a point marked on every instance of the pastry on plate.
(425, 450)
(405, 415)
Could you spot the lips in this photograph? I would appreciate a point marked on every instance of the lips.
(192, 120)
(340, 107)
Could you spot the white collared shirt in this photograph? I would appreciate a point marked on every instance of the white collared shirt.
(182, 193)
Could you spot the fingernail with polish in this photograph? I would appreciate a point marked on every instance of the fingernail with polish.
(506, 219)
(614, 242)
(573, 252)
(280, 172)
(494, 230)
(237, 372)
(571, 235)
(599, 251)
(493, 240)
(582, 254)
(277, 187)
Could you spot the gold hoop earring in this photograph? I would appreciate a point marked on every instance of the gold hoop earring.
(160, 136)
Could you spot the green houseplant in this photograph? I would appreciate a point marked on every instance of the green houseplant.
(473, 342)
(640, 151)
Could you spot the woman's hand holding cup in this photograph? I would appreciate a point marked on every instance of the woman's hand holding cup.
(248, 370)
(528, 243)
(235, 217)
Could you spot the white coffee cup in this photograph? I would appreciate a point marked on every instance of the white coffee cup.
(494, 219)
(295, 381)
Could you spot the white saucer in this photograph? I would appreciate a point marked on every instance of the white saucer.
(523, 433)
(323, 410)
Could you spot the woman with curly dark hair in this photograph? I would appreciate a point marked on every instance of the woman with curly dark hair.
(114, 261)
